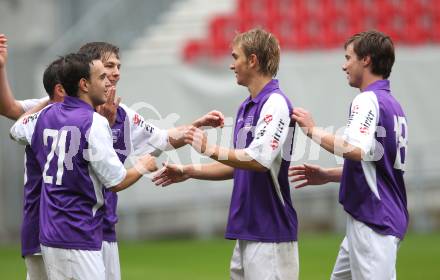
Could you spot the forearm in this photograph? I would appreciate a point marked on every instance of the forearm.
(9, 107)
(335, 145)
(334, 174)
(175, 136)
(40, 106)
(212, 171)
(235, 158)
(132, 176)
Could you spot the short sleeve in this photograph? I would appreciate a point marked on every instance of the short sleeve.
(145, 137)
(362, 122)
(28, 104)
(23, 129)
(271, 131)
(101, 155)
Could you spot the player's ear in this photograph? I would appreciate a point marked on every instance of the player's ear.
(366, 61)
(59, 93)
(253, 60)
(83, 85)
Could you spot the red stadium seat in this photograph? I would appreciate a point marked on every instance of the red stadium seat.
(318, 24)
(222, 30)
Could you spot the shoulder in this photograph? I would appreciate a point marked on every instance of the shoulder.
(365, 97)
(276, 100)
(97, 119)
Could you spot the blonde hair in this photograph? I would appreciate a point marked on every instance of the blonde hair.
(264, 45)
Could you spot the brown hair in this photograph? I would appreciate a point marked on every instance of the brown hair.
(264, 45)
(99, 50)
(378, 46)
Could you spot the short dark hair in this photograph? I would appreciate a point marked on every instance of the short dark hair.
(99, 50)
(378, 46)
(50, 76)
(74, 67)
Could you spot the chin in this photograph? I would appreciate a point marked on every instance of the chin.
(353, 84)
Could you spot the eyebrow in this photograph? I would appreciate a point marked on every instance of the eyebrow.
(112, 63)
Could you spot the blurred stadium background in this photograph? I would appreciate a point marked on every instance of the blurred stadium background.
(175, 57)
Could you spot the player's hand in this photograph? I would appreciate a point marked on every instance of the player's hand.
(3, 50)
(212, 119)
(109, 108)
(146, 164)
(170, 174)
(304, 120)
(308, 174)
(197, 139)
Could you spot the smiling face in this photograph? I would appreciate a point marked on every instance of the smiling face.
(240, 65)
(98, 84)
(112, 66)
(353, 67)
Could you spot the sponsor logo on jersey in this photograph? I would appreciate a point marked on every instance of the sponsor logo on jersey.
(268, 119)
(353, 112)
(249, 121)
(365, 126)
(137, 120)
(30, 118)
(116, 132)
(274, 143)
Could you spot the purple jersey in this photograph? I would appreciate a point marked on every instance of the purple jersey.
(261, 207)
(73, 147)
(30, 228)
(131, 134)
(373, 190)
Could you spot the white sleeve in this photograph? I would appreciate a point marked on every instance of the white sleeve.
(362, 123)
(101, 155)
(24, 128)
(271, 131)
(145, 137)
(28, 104)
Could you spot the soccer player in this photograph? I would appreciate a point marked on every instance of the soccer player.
(30, 244)
(74, 149)
(142, 136)
(261, 219)
(374, 145)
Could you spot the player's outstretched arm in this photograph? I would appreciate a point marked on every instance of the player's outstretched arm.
(211, 119)
(308, 174)
(145, 164)
(233, 158)
(9, 107)
(328, 141)
(173, 173)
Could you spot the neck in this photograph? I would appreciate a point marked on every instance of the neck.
(368, 80)
(257, 84)
(86, 98)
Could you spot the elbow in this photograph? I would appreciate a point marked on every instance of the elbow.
(13, 113)
(356, 155)
(256, 166)
(116, 188)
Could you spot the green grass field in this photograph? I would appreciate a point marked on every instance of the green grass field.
(418, 258)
